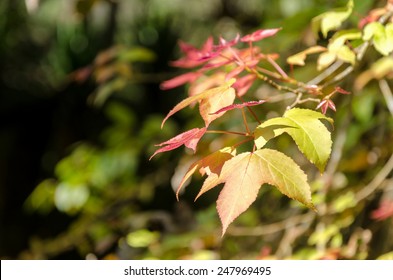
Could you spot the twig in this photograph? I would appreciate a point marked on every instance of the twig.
(227, 132)
(329, 71)
(376, 182)
(274, 227)
(387, 94)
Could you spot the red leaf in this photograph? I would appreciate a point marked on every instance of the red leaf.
(342, 91)
(259, 35)
(189, 139)
(179, 80)
(325, 104)
(238, 106)
(384, 211)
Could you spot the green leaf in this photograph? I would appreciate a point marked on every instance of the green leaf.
(244, 175)
(337, 49)
(304, 126)
(382, 36)
(339, 39)
(299, 58)
(332, 20)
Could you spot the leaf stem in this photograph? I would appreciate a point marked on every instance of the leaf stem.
(277, 67)
(227, 132)
(245, 121)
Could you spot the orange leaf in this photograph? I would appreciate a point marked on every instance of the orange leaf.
(211, 93)
(244, 174)
(215, 102)
(210, 165)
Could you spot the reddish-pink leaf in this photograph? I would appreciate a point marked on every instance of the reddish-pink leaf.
(214, 92)
(236, 71)
(342, 91)
(179, 80)
(225, 44)
(384, 211)
(189, 139)
(243, 84)
(210, 165)
(325, 104)
(259, 35)
(238, 106)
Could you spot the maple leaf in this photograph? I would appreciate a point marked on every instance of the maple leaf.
(189, 139)
(211, 99)
(304, 126)
(245, 173)
(239, 106)
(210, 165)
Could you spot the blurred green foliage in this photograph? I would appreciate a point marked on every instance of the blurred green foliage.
(82, 78)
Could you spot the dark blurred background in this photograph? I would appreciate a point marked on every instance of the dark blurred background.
(80, 112)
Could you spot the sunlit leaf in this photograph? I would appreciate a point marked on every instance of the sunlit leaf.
(382, 36)
(245, 173)
(341, 37)
(325, 59)
(332, 20)
(299, 58)
(304, 126)
(214, 102)
(214, 92)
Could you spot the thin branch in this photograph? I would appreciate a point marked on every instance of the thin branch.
(329, 71)
(249, 110)
(245, 122)
(227, 132)
(277, 67)
(376, 182)
(274, 227)
(340, 76)
(387, 94)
